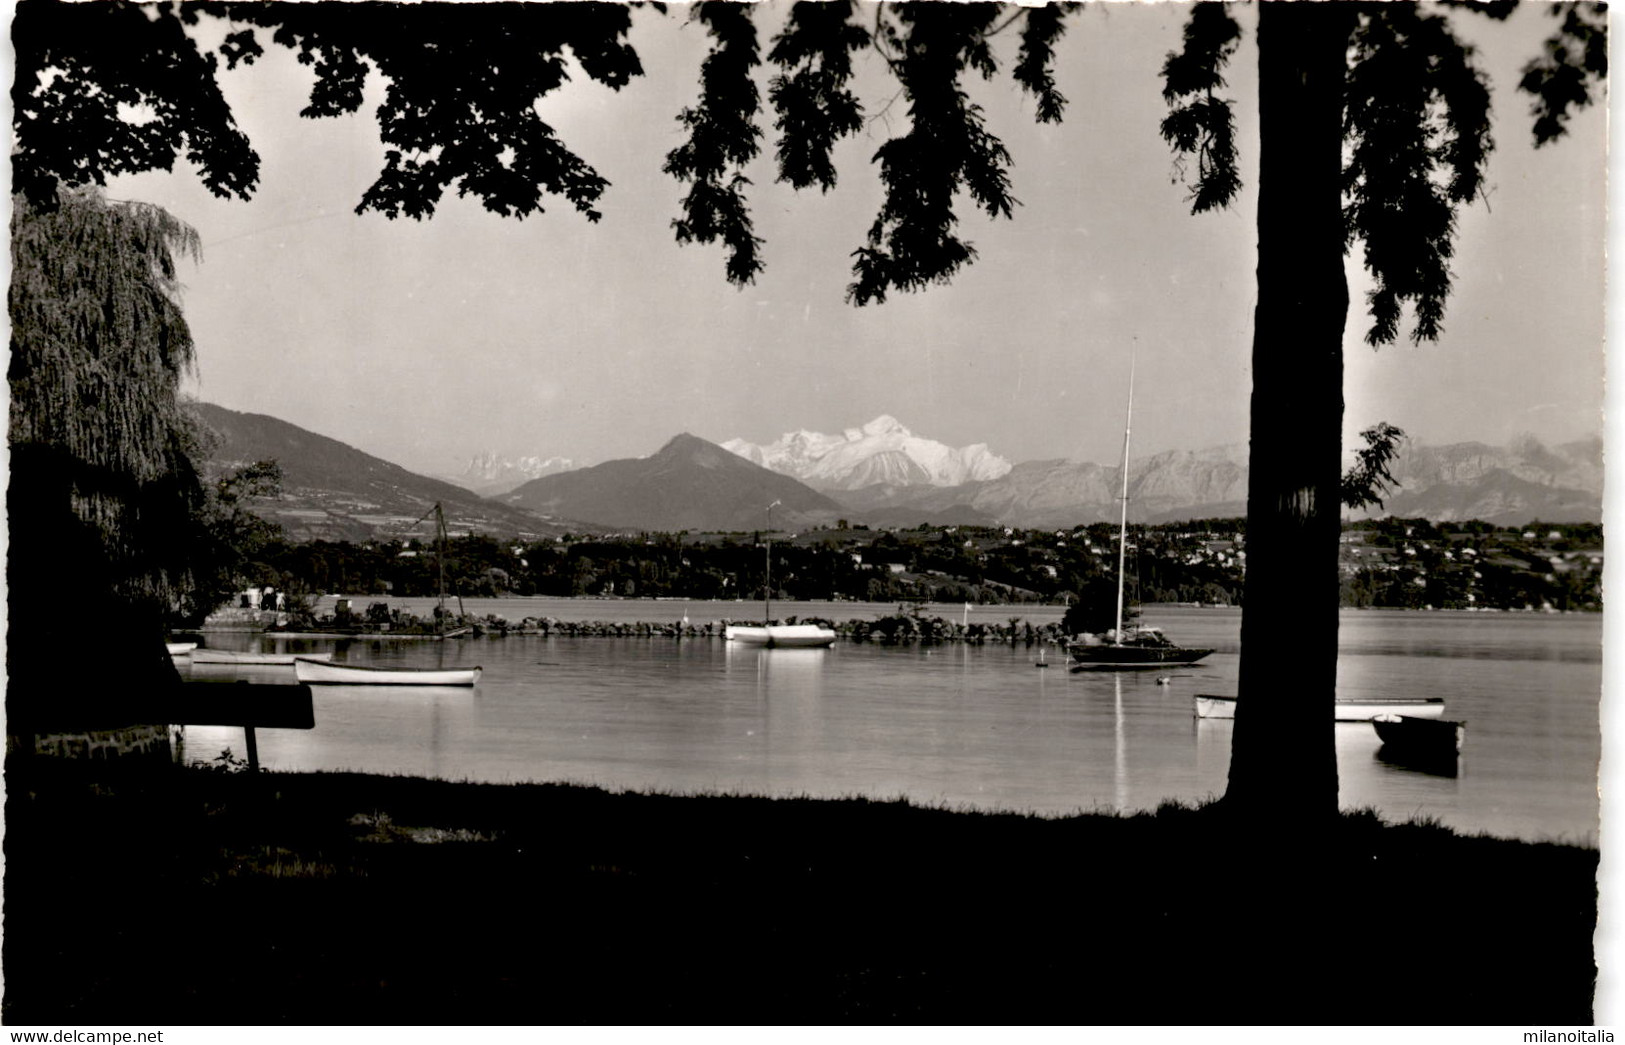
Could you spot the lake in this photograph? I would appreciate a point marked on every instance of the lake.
(954, 725)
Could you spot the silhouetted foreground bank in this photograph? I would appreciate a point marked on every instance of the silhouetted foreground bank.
(192, 896)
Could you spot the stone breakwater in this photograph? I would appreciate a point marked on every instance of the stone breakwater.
(143, 742)
(886, 630)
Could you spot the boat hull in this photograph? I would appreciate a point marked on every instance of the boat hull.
(234, 657)
(180, 649)
(321, 672)
(787, 635)
(1414, 736)
(1121, 658)
(1208, 706)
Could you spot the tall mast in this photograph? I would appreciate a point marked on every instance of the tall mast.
(1122, 527)
(767, 603)
(440, 559)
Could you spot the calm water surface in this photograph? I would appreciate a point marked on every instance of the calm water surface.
(958, 725)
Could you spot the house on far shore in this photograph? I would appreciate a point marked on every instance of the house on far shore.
(263, 598)
(254, 609)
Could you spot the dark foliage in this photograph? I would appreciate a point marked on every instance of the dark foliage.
(1416, 120)
(913, 242)
(460, 109)
(230, 541)
(98, 349)
(1034, 65)
(815, 108)
(722, 139)
(105, 487)
(463, 84)
(68, 134)
(1573, 64)
(1094, 611)
(1366, 483)
(1200, 123)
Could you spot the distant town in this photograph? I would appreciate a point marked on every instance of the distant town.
(1387, 563)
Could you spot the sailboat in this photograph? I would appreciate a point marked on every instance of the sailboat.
(770, 634)
(319, 669)
(440, 606)
(1138, 646)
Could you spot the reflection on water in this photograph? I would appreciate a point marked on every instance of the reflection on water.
(960, 725)
(1440, 765)
(1120, 766)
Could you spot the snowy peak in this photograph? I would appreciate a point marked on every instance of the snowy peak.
(883, 425)
(490, 473)
(883, 451)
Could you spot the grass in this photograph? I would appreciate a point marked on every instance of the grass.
(198, 896)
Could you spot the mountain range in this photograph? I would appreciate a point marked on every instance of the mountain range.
(1513, 484)
(489, 474)
(1060, 493)
(1506, 485)
(334, 491)
(690, 484)
(880, 452)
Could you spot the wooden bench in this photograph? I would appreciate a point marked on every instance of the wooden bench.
(242, 703)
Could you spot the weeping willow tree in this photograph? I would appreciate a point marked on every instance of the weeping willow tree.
(105, 486)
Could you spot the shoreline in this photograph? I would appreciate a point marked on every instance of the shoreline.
(890, 629)
(886, 630)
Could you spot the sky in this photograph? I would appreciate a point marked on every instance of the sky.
(426, 343)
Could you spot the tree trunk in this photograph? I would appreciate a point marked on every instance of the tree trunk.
(1283, 759)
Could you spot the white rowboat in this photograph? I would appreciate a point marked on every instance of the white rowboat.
(790, 635)
(216, 656)
(321, 672)
(1208, 706)
(180, 649)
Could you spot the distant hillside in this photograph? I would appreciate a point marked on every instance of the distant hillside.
(1498, 497)
(691, 484)
(1506, 485)
(1177, 484)
(333, 491)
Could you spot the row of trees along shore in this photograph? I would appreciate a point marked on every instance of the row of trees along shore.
(1389, 563)
(1374, 128)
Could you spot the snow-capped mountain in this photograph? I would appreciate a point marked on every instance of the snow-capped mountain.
(489, 474)
(882, 451)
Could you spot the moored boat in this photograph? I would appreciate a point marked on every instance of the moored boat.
(1142, 647)
(788, 635)
(217, 656)
(1409, 738)
(180, 649)
(321, 672)
(1126, 648)
(1210, 706)
(805, 636)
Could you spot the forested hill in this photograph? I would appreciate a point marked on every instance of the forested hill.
(333, 491)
